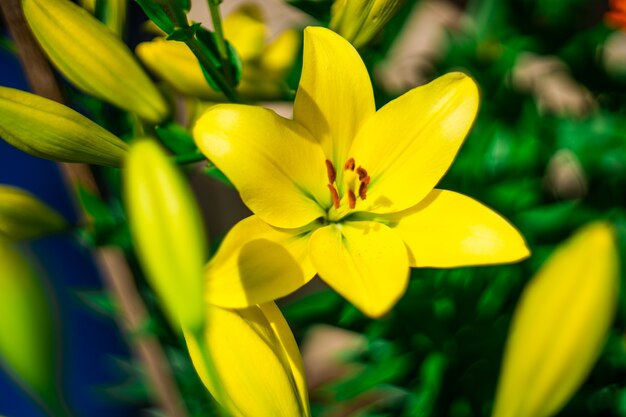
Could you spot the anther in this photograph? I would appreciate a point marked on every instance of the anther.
(363, 189)
(361, 172)
(351, 199)
(330, 169)
(349, 165)
(334, 195)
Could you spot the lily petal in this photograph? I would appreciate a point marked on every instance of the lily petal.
(411, 142)
(366, 262)
(449, 229)
(257, 263)
(277, 167)
(335, 94)
(246, 31)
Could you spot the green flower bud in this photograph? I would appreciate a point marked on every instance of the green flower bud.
(93, 58)
(560, 325)
(168, 232)
(28, 349)
(23, 216)
(49, 130)
(360, 20)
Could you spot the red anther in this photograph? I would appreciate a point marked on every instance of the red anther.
(349, 165)
(363, 190)
(330, 170)
(334, 195)
(366, 180)
(361, 172)
(351, 199)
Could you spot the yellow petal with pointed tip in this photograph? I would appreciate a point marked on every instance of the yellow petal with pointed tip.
(27, 341)
(93, 58)
(335, 95)
(47, 129)
(250, 362)
(447, 230)
(366, 262)
(167, 228)
(410, 143)
(24, 216)
(276, 166)
(560, 325)
(257, 263)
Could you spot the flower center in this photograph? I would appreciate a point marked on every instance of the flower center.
(355, 182)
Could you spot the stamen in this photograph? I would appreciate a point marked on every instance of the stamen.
(334, 195)
(330, 169)
(349, 165)
(361, 172)
(363, 189)
(351, 199)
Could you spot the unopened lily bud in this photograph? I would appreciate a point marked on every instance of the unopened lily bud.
(50, 130)
(24, 216)
(360, 20)
(168, 231)
(254, 367)
(28, 349)
(560, 325)
(93, 58)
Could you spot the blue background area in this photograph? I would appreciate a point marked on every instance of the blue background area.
(91, 342)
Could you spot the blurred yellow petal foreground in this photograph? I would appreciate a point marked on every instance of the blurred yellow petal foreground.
(560, 325)
(168, 232)
(24, 216)
(93, 58)
(344, 189)
(255, 359)
(28, 349)
(47, 129)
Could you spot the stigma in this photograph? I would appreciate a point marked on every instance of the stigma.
(355, 181)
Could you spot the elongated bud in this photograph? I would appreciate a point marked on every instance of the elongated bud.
(166, 224)
(28, 349)
(560, 325)
(24, 216)
(251, 364)
(49, 130)
(93, 58)
(360, 20)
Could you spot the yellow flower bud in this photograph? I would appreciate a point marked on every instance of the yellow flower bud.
(560, 325)
(27, 341)
(168, 232)
(254, 358)
(360, 20)
(49, 130)
(264, 65)
(93, 58)
(23, 216)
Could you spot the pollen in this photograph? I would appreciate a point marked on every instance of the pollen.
(349, 165)
(330, 170)
(355, 182)
(334, 195)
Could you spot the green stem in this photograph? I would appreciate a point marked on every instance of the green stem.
(189, 158)
(199, 51)
(219, 36)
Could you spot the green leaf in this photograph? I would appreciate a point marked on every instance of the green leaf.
(212, 171)
(99, 301)
(176, 138)
(208, 40)
(158, 15)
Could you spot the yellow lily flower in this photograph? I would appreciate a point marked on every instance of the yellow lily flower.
(263, 66)
(24, 216)
(255, 360)
(347, 191)
(360, 20)
(560, 325)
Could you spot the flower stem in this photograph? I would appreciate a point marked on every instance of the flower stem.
(201, 53)
(219, 36)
